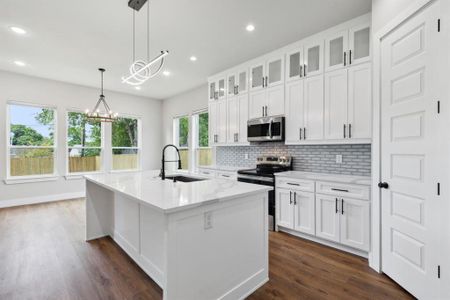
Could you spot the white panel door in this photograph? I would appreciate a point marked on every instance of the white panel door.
(327, 217)
(336, 51)
(243, 118)
(355, 223)
(222, 121)
(304, 212)
(360, 101)
(294, 111)
(336, 105)
(232, 119)
(257, 103)
(313, 109)
(275, 100)
(410, 158)
(284, 208)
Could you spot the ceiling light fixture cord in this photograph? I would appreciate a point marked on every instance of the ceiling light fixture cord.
(134, 36)
(148, 31)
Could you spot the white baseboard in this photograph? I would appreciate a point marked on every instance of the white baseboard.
(40, 199)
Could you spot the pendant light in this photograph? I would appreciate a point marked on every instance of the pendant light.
(99, 113)
(140, 70)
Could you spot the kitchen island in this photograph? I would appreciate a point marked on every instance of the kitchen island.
(197, 240)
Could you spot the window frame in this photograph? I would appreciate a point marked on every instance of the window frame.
(138, 148)
(176, 137)
(196, 139)
(28, 178)
(67, 147)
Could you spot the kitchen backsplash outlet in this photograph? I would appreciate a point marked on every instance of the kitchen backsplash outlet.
(356, 159)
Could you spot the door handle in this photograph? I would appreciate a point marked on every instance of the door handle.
(349, 57)
(383, 185)
(344, 131)
(336, 205)
(342, 206)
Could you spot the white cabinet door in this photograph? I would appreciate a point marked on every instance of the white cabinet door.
(275, 100)
(313, 63)
(327, 217)
(284, 210)
(294, 64)
(231, 84)
(360, 101)
(221, 121)
(336, 105)
(242, 82)
(221, 88)
(304, 212)
(275, 71)
(257, 73)
(212, 90)
(336, 51)
(294, 111)
(359, 44)
(213, 119)
(355, 223)
(243, 118)
(313, 109)
(233, 119)
(257, 103)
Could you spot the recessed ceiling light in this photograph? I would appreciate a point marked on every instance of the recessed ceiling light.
(166, 73)
(193, 58)
(20, 63)
(18, 30)
(250, 27)
(138, 88)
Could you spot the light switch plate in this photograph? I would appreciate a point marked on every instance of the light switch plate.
(207, 222)
(339, 159)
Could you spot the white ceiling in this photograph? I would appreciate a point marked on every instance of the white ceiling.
(68, 40)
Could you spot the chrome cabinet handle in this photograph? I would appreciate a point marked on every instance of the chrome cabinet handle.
(349, 57)
(266, 110)
(301, 70)
(263, 111)
(295, 198)
(349, 131)
(290, 197)
(300, 133)
(345, 58)
(336, 205)
(304, 70)
(267, 81)
(345, 131)
(304, 133)
(296, 184)
(342, 206)
(339, 190)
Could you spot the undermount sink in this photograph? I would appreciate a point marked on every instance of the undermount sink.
(184, 178)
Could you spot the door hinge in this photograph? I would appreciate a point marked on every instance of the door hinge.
(439, 107)
(439, 25)
(439, 271)
(439, 188)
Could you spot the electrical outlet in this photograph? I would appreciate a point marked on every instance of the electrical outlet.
(339, 159)
(246, 155)
(207, 222)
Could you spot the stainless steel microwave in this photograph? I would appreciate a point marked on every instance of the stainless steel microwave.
(267, 129)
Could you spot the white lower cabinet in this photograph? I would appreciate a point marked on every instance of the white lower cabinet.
(343, 220)
(331, 216)
(295, 210)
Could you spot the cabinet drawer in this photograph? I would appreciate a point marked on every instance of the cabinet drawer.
(207, 172)
(295, 184)
(226, 175)
(343, 190)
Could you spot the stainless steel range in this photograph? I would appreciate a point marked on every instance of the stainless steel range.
(263, 174)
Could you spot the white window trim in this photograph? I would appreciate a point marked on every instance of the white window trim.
(78, 175)
(176, 139)
(32, 178)
(138, 148)
(195, 139)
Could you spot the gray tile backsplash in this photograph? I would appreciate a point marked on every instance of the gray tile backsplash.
(310, 158)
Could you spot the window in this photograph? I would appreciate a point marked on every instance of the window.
(203, 153)
(125, 144)
(84, 144)
(181, 134)
(31, 148)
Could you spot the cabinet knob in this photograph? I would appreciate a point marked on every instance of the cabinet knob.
(383, 185)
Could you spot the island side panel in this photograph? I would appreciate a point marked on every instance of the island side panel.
(218, 250)
(99, 211)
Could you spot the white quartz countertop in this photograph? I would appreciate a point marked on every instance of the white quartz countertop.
(361, 180)
(169, 196)
(223, 168)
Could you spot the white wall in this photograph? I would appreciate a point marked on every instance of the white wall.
(64, 96)
(384, 11)
(183, 104)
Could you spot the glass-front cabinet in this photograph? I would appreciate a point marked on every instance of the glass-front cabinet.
(313, 58)
(336, 51)
(257, 78)
(359, 44)
(294, 64)
(217, 89)
(237, 82)
(275, 71)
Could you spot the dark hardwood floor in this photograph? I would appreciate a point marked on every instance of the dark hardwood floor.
(43, 255)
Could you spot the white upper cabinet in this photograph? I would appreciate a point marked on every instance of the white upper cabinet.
(218, 122)
(257, 77)
(294, 64)
(275, 71)
(237, 117)
(237, 82)
(336, 51)
(217, 88)
(336, 104)
(359, 47)
(348, 47)
(313, 114)
(313, 58)
(294, 111)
